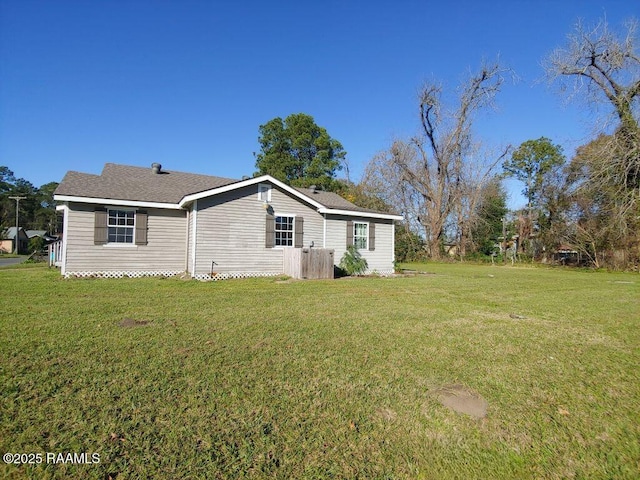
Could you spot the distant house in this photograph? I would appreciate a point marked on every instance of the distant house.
(133, 221)
(8, 239)
(36, 233)
(41, 234)
(566, 255)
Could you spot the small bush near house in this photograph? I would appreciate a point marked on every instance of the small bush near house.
(352, 262)
(36, 244)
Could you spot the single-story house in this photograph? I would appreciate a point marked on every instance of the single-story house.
(7, 242)
(41, 234)
(135, 221)
(35, 233)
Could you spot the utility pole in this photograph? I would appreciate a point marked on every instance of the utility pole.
(504, 239)
(17, 199)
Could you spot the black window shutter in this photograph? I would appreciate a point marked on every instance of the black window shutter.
(100, 229)
(299, 231)
(270, 229)
(141, 228)
(349, 233)
(372, 236)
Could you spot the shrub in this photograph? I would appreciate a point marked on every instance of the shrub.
(36, 244)
(352, 262)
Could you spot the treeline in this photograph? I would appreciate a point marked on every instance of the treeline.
(448, 185)
(36, 211)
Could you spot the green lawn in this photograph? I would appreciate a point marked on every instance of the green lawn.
(262, 378)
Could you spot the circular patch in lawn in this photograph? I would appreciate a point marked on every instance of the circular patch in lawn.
(130, 322)
(462, 400)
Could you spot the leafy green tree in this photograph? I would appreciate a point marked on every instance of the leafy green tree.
(7, 179)
(299, 152)
(537, 164)
(492, 209)
(530, 164)
(45, 210)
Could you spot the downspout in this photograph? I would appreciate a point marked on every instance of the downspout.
(186, 249)
(324, 231)
(65, 229)
(393, 243)
(194, 231)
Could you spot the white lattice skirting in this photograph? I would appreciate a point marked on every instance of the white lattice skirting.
(214, 277)
(382, 273)
(205, 277)
(136, 274)
(208, 277)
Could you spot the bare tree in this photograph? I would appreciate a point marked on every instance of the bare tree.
(431, 177)
(604, 67)
(604, 217)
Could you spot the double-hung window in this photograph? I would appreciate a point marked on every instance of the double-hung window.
(121, 226)
(284, 231)
(360, 235)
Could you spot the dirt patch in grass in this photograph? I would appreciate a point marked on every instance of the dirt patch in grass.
(130, 322)
(462, 400)
(386, 414)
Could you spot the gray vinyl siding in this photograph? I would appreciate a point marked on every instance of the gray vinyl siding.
(380, 259)
(230, 231)
(164, 251)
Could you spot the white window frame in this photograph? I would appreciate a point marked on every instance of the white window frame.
(132, 243)
(264, 188)
(365, 236)
(293, 230)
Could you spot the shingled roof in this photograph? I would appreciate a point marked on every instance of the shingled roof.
(138, 184)
(124, 182)
(333, 200)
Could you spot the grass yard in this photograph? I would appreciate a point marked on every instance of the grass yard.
(262, 378)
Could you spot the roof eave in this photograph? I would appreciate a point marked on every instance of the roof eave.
(116, 202)
(355, 213)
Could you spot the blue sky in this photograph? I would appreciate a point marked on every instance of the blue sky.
(188, 83)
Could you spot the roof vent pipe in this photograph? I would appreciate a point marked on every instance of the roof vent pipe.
(156, 167)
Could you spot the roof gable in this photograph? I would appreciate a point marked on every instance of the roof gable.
(10, 233)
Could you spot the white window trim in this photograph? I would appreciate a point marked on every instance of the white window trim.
(293, 232)
(366, 236)
(122, 244)
(264, 188)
